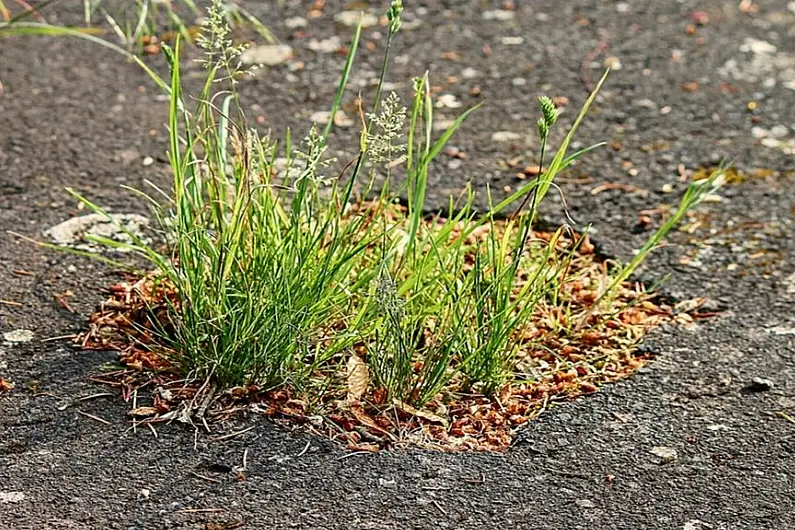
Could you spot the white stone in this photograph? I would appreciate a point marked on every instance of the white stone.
(72, 231)
(469, 73)
(512, 41)
(11, 496)
(341, 119)
(267, 54)
(612, 62)
(789, 282)
(666, 454)
(757, 46)
(351, 19)
(295, 22)
(18, 335)
(758, 132)
(329, 45)
(448, 101)
(499, 14)
(646, 103)
(765, 66)
(505, 136)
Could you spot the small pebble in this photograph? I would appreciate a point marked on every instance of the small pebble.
(340, 118)
(18, 336)
(499, 14)
(448, 101)
(665, 454)
(330, 45)
(267, 54)
(295, 22)
(758, 132)
(505, 136)
(758, 46)
(351, 19)
(613, 63)
(148, 161)
(646, 103)
(759, 384)
(11, 497)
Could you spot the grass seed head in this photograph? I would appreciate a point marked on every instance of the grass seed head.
(219, 50)
(385, 144)
(395, 16)
(543, 129)
(548, 110)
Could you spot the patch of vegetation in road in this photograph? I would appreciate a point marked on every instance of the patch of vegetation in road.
(326, 301)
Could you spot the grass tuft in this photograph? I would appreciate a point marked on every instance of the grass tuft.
(310, 286)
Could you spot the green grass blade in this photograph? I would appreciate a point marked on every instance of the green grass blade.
(346, 72)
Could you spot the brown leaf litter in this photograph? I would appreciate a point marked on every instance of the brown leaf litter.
(568, 349)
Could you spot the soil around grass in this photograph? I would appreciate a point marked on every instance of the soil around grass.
(690, 442)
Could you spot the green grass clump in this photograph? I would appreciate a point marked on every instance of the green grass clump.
(283, 272)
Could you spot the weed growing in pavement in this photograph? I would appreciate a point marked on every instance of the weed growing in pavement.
(280, 279)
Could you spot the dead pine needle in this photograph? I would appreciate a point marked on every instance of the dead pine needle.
(354, 453)
(95, 418)
(439, 507)
(201, 510)
(232, 435)
(135, 406)
(786, 416)
(304, 450)
(59, 337)
(203, 477)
